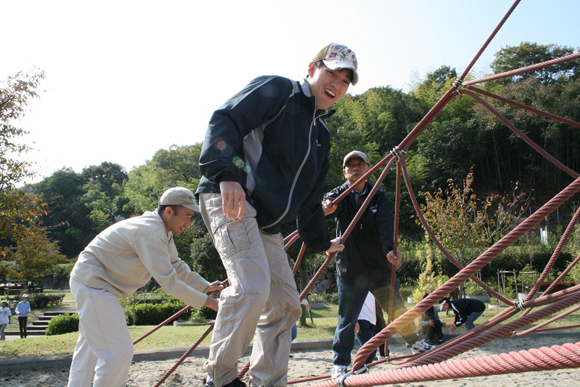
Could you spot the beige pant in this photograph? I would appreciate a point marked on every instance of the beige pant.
(105, 348)
(261, 302)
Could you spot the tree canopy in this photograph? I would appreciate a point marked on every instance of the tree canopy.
(463, 138)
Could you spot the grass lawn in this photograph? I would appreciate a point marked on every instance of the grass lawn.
(323, 325)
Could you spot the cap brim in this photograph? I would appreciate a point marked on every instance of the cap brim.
(192, 207)
(337, 64)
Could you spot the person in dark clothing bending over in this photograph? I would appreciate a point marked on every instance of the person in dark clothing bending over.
(466, 311)
(366, 262)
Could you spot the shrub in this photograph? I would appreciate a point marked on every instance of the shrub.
(202, 315)
(154, 314)
(39, 300)
(157, 296)
(63, 323)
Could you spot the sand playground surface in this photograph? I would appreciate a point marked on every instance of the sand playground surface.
(317, 362)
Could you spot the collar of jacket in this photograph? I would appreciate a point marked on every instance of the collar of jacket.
(319, 113)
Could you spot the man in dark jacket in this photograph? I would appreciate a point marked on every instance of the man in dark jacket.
(264, 160)
(466, 311)
(366, 261)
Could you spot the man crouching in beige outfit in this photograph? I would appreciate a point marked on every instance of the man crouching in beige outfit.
(120, 260)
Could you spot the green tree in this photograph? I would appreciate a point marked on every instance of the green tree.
(450, 144)
(466, 225)
(176, 166)
(205, 258)
(526, 54)
(34, 256)
(428, 279)
(555, 89)
(15, 93)
(17, 209)
(102, 191)
(68, 219)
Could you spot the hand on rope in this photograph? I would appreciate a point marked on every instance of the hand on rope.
(328, 207)
(215, 286)
(335, 245)
(233, 199)
(395, 257)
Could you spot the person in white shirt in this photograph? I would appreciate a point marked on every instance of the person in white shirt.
(120, 260)
(365, 324)
(5, 314)
(22, 310)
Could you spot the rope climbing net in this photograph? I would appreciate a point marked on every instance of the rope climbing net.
(429, 365)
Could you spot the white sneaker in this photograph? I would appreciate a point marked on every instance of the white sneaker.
(362, 371)
(421, 347)
(338, 370)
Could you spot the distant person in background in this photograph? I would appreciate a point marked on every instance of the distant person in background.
(432, 326)
(120, 260)
(4, 318)
(22, 310)
(466, 311)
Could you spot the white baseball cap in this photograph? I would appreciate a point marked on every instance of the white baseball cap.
(353, 155)
(336, 57)
(179, 196)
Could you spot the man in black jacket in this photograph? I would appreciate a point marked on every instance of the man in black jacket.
(366, 261)
(264, 160)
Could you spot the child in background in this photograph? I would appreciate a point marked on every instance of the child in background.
(365, 325)
(431, 326)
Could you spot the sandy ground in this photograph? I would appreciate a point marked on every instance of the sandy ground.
(318, 363)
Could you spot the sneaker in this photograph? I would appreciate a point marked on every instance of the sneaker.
(235, 383)
(381, 358)
(362, 371)
(338, 370)
(421, 347)
(207, 382)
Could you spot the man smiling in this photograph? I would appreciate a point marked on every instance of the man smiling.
(264, 161)
(121, 259)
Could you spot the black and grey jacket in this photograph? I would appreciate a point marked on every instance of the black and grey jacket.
(463, 307)
(270, 139)
(365, 250)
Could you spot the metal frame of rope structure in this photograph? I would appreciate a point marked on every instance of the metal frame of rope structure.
(428, 366)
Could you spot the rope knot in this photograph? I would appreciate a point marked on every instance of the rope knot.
(456, 84)
(340, 380)
(396, 154)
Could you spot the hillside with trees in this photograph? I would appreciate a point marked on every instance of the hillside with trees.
(464, 143)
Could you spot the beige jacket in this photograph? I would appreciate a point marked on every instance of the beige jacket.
(124, 257)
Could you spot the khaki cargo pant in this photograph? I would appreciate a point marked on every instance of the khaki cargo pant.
(261, 301)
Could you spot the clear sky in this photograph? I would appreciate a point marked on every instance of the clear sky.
(127, 78)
